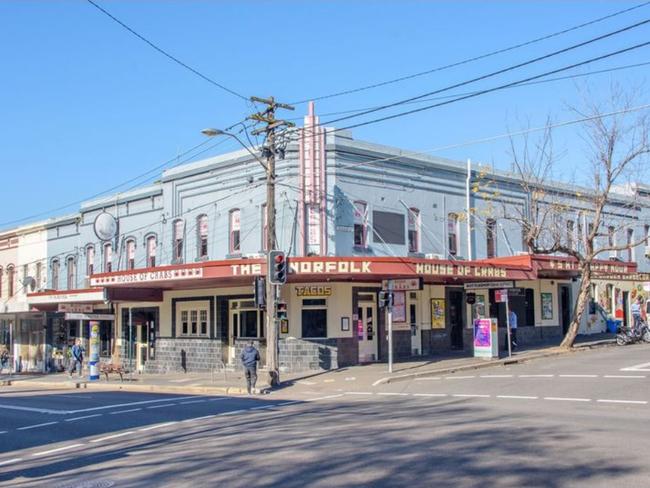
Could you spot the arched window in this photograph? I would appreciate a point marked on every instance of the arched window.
(414, 230)
(39, 275)
(108, 257)
(2, 272)
(71, 270)
(235, 229)
(491, 237)
(151, 251)
(361, 224)
(130, 254)
(90, 260)
(11, 277)
(452, 234)
(55, 274)
(202, 236)
(178, 233)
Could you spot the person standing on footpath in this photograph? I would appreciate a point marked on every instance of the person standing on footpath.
(512, 319)
(249, 358)
(636, 308)
(77, 358)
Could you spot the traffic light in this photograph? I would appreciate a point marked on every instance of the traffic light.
(281, 311)
(385, 299)
(259, 288)
(277, 268)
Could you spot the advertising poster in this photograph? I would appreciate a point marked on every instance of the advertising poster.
(93, 357)
(399, 306)
(482, 338)
(547, 306)
(437, 313)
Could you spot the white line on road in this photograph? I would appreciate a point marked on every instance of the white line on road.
(58, 449)
(304, 382)
(470, 395)
(84, 417)
(131, 404)
(157, 426)
(497, 376)
(392, 394)
(459, 377)
(288, 403)
(192, 401)
(324, 397)
(216, 399)
(36, 426)
(33, 409)
(328, 381)
(262, 407)
(632, 402)
(358, 393)
(637, 367)
(161, 406)
(114, 436)
(234, 412)
(430, 394)
(350, 378)
(10, 461)
(126, 411)
(518, 397)
(194, 419)
(567, 399)
(428, 378)
(578, 376)
(624, 376)
(536, 375)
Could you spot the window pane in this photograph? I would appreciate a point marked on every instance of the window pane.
(249, 323)
(388, 227)
(314, 323)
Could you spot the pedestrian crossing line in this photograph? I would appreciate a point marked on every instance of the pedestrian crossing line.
(58, 449)
(567, 399)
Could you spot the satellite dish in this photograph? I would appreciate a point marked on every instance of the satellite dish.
(105, 226)
(29, 282)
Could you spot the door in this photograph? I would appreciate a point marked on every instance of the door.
(141, 345)
(565, 308)
(416, 336)
(367, 329)
(455, 305)
(626, 304)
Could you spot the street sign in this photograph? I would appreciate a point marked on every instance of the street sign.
(501, 296)
(407, 284)
(486, 285)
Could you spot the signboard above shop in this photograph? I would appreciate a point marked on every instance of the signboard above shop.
(407, 284)
(313, 291)
(487, 285)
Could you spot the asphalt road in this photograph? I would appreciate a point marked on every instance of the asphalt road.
(577, 420)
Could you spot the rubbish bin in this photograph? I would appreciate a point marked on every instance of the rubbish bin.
(612, 326)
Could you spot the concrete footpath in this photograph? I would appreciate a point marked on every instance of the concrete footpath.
(369, 375)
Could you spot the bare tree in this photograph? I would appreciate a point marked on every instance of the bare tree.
(617, 142)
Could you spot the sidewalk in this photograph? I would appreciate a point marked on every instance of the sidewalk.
(233, 383)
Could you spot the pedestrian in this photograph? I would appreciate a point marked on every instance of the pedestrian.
(4, 358)
(636, 312)
(77, 358)
(512, 319)
(249, 358)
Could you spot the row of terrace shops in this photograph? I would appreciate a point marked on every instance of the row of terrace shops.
(197, 317)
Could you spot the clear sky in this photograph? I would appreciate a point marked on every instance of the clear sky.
(85, 105)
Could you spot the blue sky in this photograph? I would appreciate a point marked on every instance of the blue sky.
(85, 105)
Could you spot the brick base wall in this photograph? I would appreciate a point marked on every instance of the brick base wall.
(308, 354)
(190, 355)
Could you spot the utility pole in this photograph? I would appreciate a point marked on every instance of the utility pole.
(267, 117)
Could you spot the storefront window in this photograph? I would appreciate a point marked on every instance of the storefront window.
(314, 318)
(194, 321)
(247, 321)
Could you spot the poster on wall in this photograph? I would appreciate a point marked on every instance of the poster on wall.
(399, 306)
(437, 313)
(547, 306)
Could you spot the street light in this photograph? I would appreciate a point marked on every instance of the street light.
(211, 132)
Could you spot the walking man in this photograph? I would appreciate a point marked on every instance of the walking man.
(77, 358)
(249, 358)
(512, 319)
(4, 358)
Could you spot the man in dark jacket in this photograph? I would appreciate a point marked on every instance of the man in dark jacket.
(249, 358)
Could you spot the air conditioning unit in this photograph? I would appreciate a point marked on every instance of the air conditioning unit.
(647, 251)
(433, 256)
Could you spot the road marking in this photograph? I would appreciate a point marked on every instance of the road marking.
(130, 404)
(632, 402)
(262, 407)
(234, 412)
(536, 375)
(3, 432)
(624, 376)
(428, 378)
(59, 449)
(358, 393)
(192, 401)
(324, 397)
(578, 375)
(125, 411)
(328, 381)
(10, 461)
(518, 397)
(497, 376)
(33, 409)
(161, 406)
(36, 426)
(459, 377)
(392, 394)
(350, 378)
(470, 395)
(194, 419)
(303, 382)
(563, 399)
(84, 417)
(114, 436)
(184, 380)
(637, 367)
(215, 399)
(288, 403)
(157, 426)
(430, 394)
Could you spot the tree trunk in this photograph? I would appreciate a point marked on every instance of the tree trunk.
(579, 309)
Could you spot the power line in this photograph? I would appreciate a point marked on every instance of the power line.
(166, 54)
(475, 58)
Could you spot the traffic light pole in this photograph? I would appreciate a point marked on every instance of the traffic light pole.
(389, 322)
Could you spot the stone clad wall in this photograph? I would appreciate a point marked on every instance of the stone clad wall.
(308, 354)
(198, 356)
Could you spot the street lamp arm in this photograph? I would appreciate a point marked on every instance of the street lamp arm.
(219, 132)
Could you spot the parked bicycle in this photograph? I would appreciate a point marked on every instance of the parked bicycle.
(631, 335)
